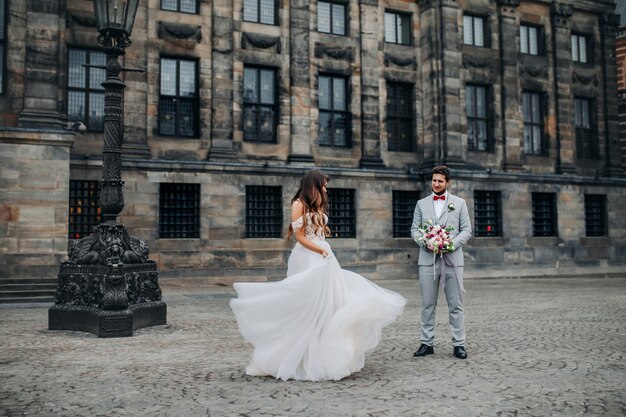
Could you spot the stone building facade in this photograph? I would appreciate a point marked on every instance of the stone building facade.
(241, 97)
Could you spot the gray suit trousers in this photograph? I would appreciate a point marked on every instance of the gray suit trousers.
(430, 291)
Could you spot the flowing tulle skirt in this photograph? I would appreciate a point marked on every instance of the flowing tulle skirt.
(316, 324)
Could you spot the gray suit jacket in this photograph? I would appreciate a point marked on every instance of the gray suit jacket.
(458, 218)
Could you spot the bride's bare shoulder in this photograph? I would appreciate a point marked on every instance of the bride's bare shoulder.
(297, 210)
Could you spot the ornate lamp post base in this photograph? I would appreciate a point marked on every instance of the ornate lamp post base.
(108, 286)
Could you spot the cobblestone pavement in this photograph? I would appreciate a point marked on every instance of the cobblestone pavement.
(536, 348)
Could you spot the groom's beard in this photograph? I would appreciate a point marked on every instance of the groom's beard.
(441, 193)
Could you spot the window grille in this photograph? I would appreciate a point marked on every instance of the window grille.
(474, 31)
(534, 136)
(403, 209)
(260, 11)
(586, 145)
(260, 114)
(334, 118)
(331, 18)
(398, 28)
(184, 6)
(341, 213)
(178, 101)
(529, 39)
(478, 118)
(179, 211)
(580, 48)
(400, 120)
(84, 208)
(85, 94)
(544, 214)
(595, 215)
(487, 214)
(264, 211)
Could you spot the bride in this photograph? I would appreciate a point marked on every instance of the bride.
(320, 321)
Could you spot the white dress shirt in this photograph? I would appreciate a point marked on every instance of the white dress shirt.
(440, 204)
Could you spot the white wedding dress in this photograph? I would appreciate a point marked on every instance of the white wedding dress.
(317, 323)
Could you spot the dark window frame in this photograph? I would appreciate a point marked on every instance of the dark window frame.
(346, 114)
(545, 215)
(3, 44)
(525, 27)
(177, 98)
(543, 137)
(588, 42)
(258, 105)
(178, 7)
(346, 28)
(487, 213)
(596, 217)
(183, 196)
(403, 207)
(587, 146)
(264, 211)
(398, 16)
(81, 224)
(485, 31)
(475, 120)
(258, 15)
(87, 90)
(342, 213)
(396, 121)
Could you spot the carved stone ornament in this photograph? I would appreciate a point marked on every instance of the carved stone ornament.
(260, 41)
(610, 23)
(561, 13)
(471, 61)
(400, 61)
(584, 79)
(336, 52)
(534, 70)
(508, 3)
(80, 18)
(425, 4)
(178, 31)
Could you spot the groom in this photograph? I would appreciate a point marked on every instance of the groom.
(446, 210)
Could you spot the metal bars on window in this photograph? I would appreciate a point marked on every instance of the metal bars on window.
(595, 215)
(178, 99)
(260, 11)
(183, 6)
(84, 211)
(341, 213)
(544, 214)
(400, 136)
(403, 203)
(487, 212)
(260, 110)
(397, 28)
(264, 211)
(179, 211)
(85, 94)
(334, 118)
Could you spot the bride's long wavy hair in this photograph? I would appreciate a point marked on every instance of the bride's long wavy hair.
(314, 200)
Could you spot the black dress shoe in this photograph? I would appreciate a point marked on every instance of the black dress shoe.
(459, 352)
(424, 350)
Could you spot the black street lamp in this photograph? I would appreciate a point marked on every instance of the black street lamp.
(109, 286)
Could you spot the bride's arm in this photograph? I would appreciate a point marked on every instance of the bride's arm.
(297, 211)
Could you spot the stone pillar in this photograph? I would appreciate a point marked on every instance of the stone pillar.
(41, 75)
(370, 76)
(562, 66)
(450, 64)
(609, 23)
(299, 72)
(222, 88)
(430, 82)
(136, 94)
(512, 130)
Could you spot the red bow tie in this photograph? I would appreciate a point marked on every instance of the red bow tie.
(439, 197)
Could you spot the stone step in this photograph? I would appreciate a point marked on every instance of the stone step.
(5, 281)
(12, 294)
(28, 287)
(30, 299)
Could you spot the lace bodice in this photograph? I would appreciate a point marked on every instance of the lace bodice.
(310, 232)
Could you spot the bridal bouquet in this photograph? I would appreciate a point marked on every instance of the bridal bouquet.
(435, 238)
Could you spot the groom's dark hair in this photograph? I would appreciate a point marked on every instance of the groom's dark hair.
(443, 170)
